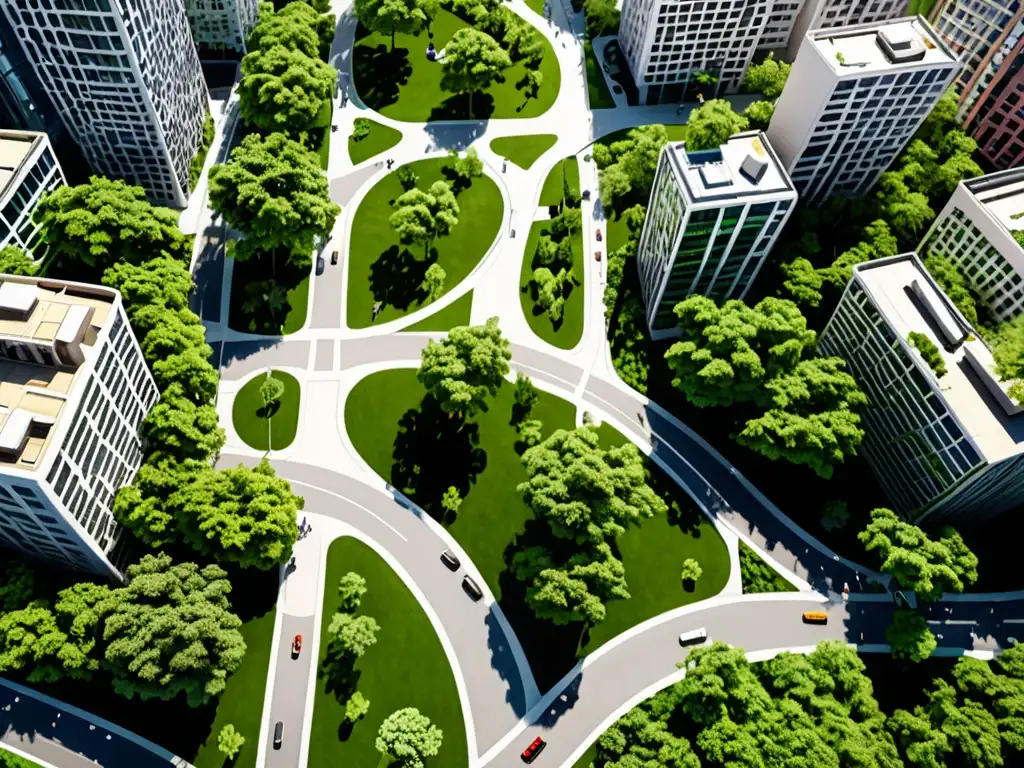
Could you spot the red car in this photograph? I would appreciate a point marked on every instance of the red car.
(535, 748)
(599, 235)
(296, 646)
(597, 255)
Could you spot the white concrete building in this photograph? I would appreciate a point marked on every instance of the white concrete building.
(946, 444)
(853, 101)
(712, 220)
(791, 20)
(74, 389)
(975, 232)
(222, 24)
(126, 80)
(28, 170)
(667, 43)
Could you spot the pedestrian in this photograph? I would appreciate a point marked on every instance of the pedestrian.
(377, 306)
(504, 164)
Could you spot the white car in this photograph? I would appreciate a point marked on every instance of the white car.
(693, 637)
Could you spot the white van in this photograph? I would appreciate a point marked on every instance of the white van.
(693, 637)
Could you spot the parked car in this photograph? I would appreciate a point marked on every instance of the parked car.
(319, 265)
(815, 617)
(597, 255)
(334, 257)
(599, 235)
(535, 748)
(296, 646)
(472, 588)
(278, 734)
(693, 637)
(451, 562)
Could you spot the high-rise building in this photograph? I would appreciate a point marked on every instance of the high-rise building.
(712, 219)
(977, 31)
(975, 232)
(679, 48)
(126, 81)
(222, 24)
(941, 431)
(28, 170)
(74, 389)
(791, 20)
(24, 105)
(996, 118)
(853, 101)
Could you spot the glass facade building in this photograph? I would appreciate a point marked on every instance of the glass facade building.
(28, 170)
(222, 24)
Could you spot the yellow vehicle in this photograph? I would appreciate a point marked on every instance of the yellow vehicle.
(815, 617)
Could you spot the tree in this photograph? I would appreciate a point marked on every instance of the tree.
(451, 501)
(941, 119)
(929, 351)
(105, 221)
(953, 284)
(142, 506)
(356, 707)
(274, 191)
(433, 281)
(420, 216)
(351, 588)
(918, 562)
(910, 636)
(17, 585)
(14, 261)
(462, 369)
(407, 177)
(641, 738)
(293, 27)
(189, 373)
(767, 78)
(284, 89)
(613, 185)
(711, 125)
(361, 128)
(352, 635)
(271, 390)
(409, 737)
(392, 16)
(834, 515)
(803, 282)
(162, 284)
(530, 433)
(180, 428)
(1008, 348)
(691, 570)
(525, 395)
(602, 17)
(473, 62)
(467, 167)
(229, 741)
(30, 642)
(177, 332)
(759, 114)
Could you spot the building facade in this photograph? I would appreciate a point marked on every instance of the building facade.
(854, 99)
(712, 220)
(28, 170)
(222, 24)
(74, 389)
(126, 80)
(946, 443)
(975, 232)
(790, 21)
(676, 49)
(996, 119)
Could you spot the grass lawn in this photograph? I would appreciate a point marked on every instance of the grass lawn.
(597, 89)
(259, 427)
(386, 416)
(455, 314)
(403, 85)
(551, 192)
(381, 138)
(569, 331)
(380, 269)
(922, 7)
(537, 6)
(524, 150)
(407, 667)
(588, 757)
(289, 318)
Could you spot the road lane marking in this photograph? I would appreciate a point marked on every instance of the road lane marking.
(353, 503)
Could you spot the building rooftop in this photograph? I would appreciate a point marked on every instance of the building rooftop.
(15, 147)
(909, 300)
(1001, 195)
(744, 167)
(879, 46)
(48, 330)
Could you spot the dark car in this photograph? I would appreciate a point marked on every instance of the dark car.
(319, 265)
(472, 588)
(451, 562)
(278, 734)
(535, 748)
(334, 257)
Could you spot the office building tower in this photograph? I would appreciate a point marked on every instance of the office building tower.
(996, 118)
(28, 170)
(676, 49)
(74, 389)
(975, 232)
(853, 101)
(126, 81)
(941, 431)
(791, 20)
(712, 219)
(24, 105)
(977, 31)
(222, 24)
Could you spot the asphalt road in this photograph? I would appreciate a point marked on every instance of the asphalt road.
(291, 683)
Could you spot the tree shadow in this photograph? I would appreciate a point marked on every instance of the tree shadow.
(456, 107)
(433, 451)
(268, 411)
(338, 673)
(397, 275)
(379, 73)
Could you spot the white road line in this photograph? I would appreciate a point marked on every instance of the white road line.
(353, 503)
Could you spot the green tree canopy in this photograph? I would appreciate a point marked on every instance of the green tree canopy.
(161, 285)
(142, 506)
(14, 261)
(953, 283)
(466, 366)
(601, 17)
(17, 584)
(352, 635)
(392, 16)
(182, 429)
(229, 741)
(712, 123)
(351, 588)
(293, 27)
(30, 642)
(759, 114)
(433, 281)
(409, 738)
(283, 89)
(473, 62)
(767, 78)
(1008, 348)
(420, 216)
(910, 636)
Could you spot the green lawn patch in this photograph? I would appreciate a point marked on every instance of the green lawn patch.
(11, 760)
(264, 429)
(403, 85)
(455, 314)
(597, 89)
(381, 269)
(380, 139)
(553, 190)
(920, 7)
(387, 417)
(537, 6)
(524, 150)
(567, 333)
(407, 667)
(588, 757)
(259, 317)
(758, 576)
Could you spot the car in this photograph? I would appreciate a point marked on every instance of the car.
(278, 734)
(597, 255)
(319, 265)
(451, 562)
(296, 646)
(472, 588)
(599, 235)
(586, 194)
(815, 617)
(693, 636)
(334, 258)
(535, 748)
